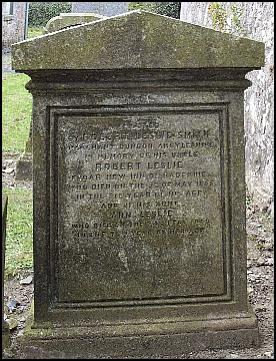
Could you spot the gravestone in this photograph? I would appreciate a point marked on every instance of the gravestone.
(139, 190)
(5, 325)
(23, 168)
(65, 20)
(102, 8)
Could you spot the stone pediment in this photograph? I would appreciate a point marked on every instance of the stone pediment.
(137, 40)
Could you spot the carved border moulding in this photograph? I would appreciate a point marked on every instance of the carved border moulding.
(221, 109)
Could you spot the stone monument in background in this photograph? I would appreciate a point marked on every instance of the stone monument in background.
(103, 8)
(66, 20)
(23, 168)
(139, 188)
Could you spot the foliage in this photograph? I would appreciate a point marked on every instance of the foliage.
(34, 31)
(226, 20)
(41, 12)
(16, 112)
(236, 19)
(171, 9)
(140, 6)
(219, 16)
(19, 236)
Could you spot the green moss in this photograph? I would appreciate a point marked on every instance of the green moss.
(137, 40)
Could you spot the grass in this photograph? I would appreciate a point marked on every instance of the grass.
(34, 31)
(16, 119)
(19, 234)
(16, 112)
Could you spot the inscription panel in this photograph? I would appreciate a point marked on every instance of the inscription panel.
(140, 205)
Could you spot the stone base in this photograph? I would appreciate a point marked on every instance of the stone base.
(24, 168)
(147, 339)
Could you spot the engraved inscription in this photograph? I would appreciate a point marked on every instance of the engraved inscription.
(139, 205)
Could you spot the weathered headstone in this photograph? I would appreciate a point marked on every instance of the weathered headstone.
(5, 326)
(110, 8)
(23, 169)
(65, 20)
(139, 191)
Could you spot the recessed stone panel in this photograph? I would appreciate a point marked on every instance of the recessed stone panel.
(137, 194)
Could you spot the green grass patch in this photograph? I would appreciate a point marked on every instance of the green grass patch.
(19, 231)
(34, 31)
(16, 112)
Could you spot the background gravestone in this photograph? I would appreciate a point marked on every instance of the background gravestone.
(139, 187)
(103, 8)
(23, 170)
(65, 20)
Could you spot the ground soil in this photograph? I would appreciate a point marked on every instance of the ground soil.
(260, 283)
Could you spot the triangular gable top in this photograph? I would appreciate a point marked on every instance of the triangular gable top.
(137, 40)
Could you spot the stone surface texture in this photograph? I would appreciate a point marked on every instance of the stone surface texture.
(102, 45)
(258, 22)
(66, 20)
(110, 8)
(24, 167)
(13, 25)
(139, 187)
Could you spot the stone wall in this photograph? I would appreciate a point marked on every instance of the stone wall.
(13, 25)
(258, 22)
